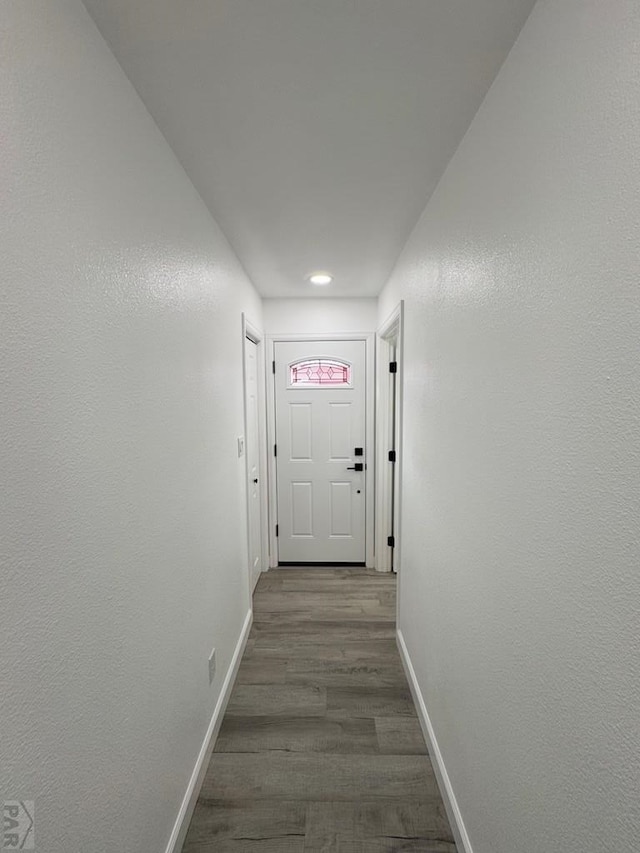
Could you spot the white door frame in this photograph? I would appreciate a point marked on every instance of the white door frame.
(389, 475)
(370, 457)
(251, 331)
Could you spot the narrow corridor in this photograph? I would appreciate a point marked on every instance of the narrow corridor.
(321, 748)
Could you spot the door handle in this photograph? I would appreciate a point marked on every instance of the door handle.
(357, 467)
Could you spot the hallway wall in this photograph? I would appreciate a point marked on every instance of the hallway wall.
(310, 316)
(123, 514)
(520, 546)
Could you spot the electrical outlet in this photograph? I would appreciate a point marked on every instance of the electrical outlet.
(212, 666)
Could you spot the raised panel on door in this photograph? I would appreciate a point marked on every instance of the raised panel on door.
(300, 432)
(340, 511)
(341, 443)
(301, 507)
(320, 420)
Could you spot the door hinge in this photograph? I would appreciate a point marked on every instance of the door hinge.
(273, 366)
(277, 530)
(392, 456)
(275, 449)
(391, 541)
(393, 367)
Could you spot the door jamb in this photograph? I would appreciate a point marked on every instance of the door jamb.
(369, 339)
(389, 475)
(253, 333)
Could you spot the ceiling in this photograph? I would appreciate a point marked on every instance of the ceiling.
(314, 130)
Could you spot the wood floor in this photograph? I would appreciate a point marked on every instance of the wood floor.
(320, 749)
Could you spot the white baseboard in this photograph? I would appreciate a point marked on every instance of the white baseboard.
(197, 777)
(442, 777)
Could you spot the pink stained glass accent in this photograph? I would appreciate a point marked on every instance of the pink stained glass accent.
(320, 371)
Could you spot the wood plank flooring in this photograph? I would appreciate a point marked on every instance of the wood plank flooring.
(320, 750)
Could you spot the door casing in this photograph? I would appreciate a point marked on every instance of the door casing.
(370, 436)
(389, 475)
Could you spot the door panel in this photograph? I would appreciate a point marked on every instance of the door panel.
(300, 431)
(341, 499)
(320, 420)
(302, 509)
(340, 437)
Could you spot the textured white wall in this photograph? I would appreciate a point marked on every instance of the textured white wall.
(311, 316)
(122, 516)
(520, 592)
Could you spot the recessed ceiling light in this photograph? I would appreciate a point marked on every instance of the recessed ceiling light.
(320, 278)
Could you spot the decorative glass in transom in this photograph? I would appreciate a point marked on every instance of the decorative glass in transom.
(320, 372)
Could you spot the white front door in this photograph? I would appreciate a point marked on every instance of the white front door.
(253, 460)
(321, 454)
